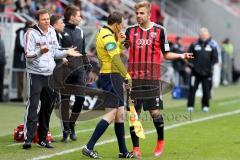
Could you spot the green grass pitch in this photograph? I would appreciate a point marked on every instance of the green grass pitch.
(212, 138)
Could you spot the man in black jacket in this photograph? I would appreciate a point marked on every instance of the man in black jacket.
(73, 37)
(205, 56)
(180, 65)
(57, 22)
(19, 61)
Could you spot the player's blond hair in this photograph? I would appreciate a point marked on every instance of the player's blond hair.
(143, 3)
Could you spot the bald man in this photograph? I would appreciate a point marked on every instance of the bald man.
(205, 56)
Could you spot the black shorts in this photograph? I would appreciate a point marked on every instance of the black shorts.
(146, 94)
(113, 83)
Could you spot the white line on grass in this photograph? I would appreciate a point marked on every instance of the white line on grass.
(78, 131)
(147, 132)
(226, 103)
(88, 130)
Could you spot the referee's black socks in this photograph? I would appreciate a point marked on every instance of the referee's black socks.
(98, 132)
(120, 133)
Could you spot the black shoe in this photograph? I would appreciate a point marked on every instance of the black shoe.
(65, 136)
(127, 155)
(73, 135)
(90, 153)
(45, 144)
(26, 145)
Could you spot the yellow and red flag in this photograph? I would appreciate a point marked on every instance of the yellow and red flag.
(134, 122)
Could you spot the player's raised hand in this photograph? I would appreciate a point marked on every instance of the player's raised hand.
(187, 56)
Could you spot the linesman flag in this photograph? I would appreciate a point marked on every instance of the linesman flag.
(134, 122)
(133, 117)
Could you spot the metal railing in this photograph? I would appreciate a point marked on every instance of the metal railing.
(175, 27)
(177, 20)
(9, 26)
(180, 21)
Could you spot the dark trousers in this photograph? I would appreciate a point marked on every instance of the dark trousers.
(1, 81)
(68, 122)
(20, 83)
(184, 77)
(194, 82)
(39, 107)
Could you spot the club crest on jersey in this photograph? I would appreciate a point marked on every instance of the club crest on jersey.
(153, 34)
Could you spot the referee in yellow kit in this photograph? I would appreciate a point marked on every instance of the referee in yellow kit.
(111, 79)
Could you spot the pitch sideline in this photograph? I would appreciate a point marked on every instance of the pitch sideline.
(147, 132)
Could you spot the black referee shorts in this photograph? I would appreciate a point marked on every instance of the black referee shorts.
(113, 83)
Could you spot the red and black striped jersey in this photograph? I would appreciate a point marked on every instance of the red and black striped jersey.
(146, 48)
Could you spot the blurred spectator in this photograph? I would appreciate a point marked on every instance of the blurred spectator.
(114, 5)
(2, 66)
(156, 14)
(92, 54)
(78, 4)
(234, 1)
(2, 5)
(180, 65)
(205, 55)
(103, 4)
(177, 46)
(56, 7)
(89, 12)
(131, 19)
(26, 6)
(19, 5)
(94, 74)
(216, 79)
(236, 72)
(126, 14)
(19, 61)
(9, 8)
(227, 54)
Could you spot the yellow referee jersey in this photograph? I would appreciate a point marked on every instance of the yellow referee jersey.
(108, 52)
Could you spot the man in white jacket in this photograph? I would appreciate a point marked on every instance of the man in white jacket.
(41, 47)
